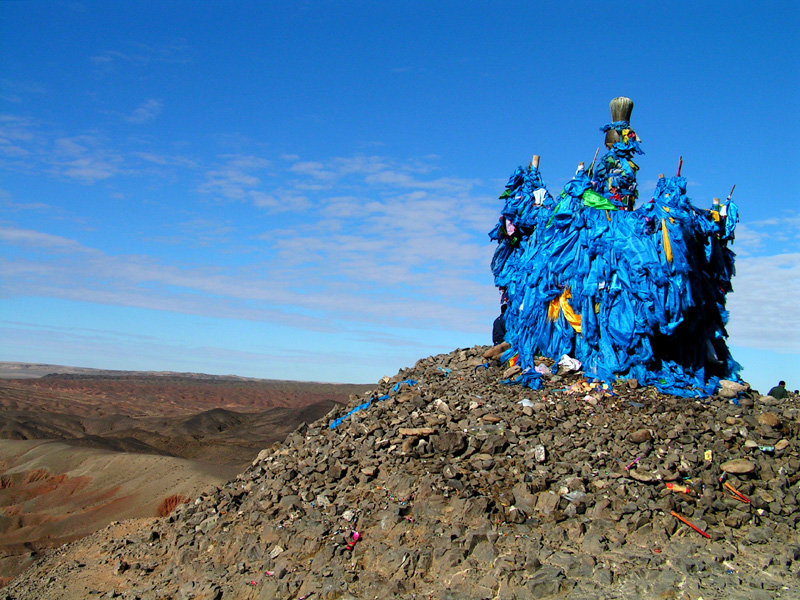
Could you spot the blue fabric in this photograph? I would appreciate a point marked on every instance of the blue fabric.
(408, 382)
(336, 422)
(649, 284)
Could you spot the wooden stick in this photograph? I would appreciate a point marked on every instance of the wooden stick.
(738, 495)
(731, 194)
(535, 161)
(692, 525)
(594, 159)
(680, 164)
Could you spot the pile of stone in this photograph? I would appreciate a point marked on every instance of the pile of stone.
(457, 485)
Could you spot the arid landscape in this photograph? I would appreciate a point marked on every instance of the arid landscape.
(442, 482)
(81, 448)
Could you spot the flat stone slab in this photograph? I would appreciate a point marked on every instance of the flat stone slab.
(416, 431)
(738, 466)
(768, 418)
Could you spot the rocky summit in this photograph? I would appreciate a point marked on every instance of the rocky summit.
(450, 484)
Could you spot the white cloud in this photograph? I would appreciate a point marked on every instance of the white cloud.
(312, 169)
(145, 112)
(749, 240)
(279, 201)
(379, 244)
(246, 161)
(166, 160)
(359, 164)
(16, 134)
(234, 178)
(37, 239)
(230, 183)
(389, 262)
(763, 305)
(84, 158)
(30, 149)
(109, 56)
(89, 169)
(768, 236)
(13, 91)
(143, 54)
(21, 206)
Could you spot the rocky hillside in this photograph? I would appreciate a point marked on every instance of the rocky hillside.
(455, 485)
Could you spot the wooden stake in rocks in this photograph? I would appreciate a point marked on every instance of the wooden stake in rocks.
(736, 493)
(690, 524)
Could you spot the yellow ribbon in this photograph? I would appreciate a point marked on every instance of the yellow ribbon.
(561, 304)
(665, 239)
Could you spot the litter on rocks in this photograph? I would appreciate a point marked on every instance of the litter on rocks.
(678, 488)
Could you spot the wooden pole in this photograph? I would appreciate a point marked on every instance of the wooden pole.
(535, 161)
(690, 524)
(680, 165)
(591, 167)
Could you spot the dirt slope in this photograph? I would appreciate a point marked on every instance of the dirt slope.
(81, 449)
(52, 493)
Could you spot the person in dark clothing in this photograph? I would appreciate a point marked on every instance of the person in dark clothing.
(499, 327)
(779, 391)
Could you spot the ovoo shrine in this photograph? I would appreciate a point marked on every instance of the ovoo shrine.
(632, 292)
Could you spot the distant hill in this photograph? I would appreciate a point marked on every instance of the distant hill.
(22, 370)
(80, 448)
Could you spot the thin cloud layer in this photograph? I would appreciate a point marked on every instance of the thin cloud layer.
(377, 243)
(381, 255)
(763, 306)
(143, 54)
(145, 112)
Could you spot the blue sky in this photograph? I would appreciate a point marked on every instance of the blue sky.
(303, 190)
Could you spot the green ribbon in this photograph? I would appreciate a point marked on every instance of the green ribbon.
(594, 200)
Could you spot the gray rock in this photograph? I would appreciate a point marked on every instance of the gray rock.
(450, 442)
(738, 466)
(640, 435)
(759, 535)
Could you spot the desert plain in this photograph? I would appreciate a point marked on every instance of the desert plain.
(81, 448)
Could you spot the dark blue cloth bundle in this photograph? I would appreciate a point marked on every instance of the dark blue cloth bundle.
(629, 293)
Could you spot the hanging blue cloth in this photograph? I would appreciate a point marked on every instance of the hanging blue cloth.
(629, 293)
